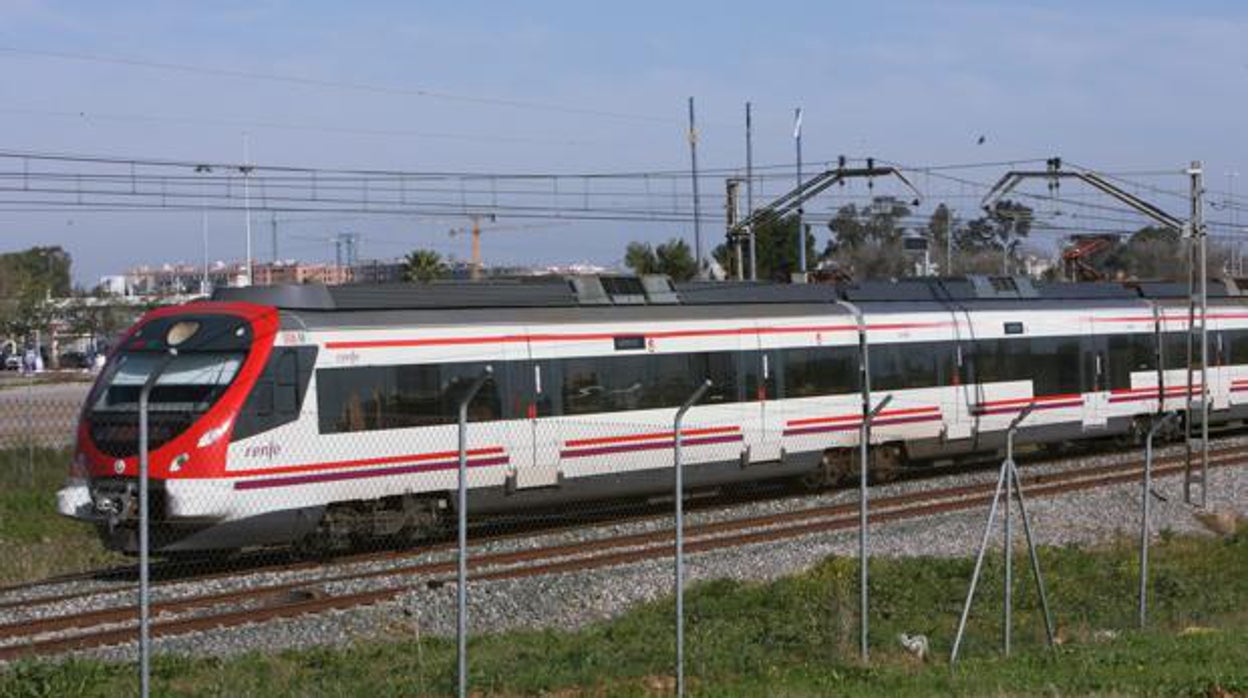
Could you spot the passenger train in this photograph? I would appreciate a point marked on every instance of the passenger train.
(317, 416)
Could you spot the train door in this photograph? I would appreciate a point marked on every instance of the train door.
(1219, 375)
(960, 413)
(759, 366)
(1094, 379)
(533, 464)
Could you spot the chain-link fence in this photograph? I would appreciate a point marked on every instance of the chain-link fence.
(339, 531)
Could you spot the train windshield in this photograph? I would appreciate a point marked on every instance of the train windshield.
(210, 351)
(190, 382)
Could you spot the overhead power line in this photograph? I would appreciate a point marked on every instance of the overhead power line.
(335, 84)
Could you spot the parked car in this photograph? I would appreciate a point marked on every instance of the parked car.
(12, 362)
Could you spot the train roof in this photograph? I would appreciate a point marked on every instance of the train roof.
(602, 291)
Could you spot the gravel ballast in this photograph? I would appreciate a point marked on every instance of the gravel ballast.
(573, 599)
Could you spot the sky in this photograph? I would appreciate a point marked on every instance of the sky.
(545, 86)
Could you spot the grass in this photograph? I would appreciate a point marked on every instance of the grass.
(796, 636)
(35, 541)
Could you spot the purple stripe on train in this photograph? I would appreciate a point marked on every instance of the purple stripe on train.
(371, 472)
(650, 445)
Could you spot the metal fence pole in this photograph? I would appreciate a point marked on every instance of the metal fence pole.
(1007, 610)
(864, 593)
(145, 557)
(461, 601)
(1145, 497)
(1007, 482)
(30, 427)
(678, 467)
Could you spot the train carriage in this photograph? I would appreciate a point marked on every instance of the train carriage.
(315, 415)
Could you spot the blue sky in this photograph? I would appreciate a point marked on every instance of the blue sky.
(1115, 84)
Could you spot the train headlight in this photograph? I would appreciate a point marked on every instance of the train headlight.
(214, 434)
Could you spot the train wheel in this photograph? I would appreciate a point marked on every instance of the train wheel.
(834, 468)
(887, 460)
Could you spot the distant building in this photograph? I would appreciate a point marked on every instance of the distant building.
(175, 279)
(291, 272)
(377, 271)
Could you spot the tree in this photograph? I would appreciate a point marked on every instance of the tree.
(672, 258)
(939, 233)
(867, 242)
(424, 266)
(640, 257)
(676, 260)
(1000, 230)
(775, 243)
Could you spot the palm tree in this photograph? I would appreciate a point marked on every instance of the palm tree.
(424, 266)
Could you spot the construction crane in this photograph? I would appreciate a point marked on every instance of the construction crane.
(475, 268)
(1077, 257)
(475, 230)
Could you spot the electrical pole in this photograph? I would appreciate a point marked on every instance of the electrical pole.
(247, 200)
(948, 242)
(203, 224)
(693, 164)
(1198, 308)
(749, 191)
(475, 272)
(1237, 260)
(273, 235)
(732, 184)
(801, 224)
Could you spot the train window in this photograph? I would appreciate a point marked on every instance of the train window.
(812, 371)
(654, 381)
(902, 366)
(1052, 363)
(1174, 350)
(371, 398)
(1236, 346)
(277, 396)
(758, 375)
(1129, 353)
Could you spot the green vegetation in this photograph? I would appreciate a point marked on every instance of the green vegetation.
(794, 637)
(673, 258)
(35, 541)
(424, 266)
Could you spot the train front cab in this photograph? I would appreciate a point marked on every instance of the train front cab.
(209, 357)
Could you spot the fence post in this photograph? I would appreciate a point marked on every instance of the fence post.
(145, 561)
(461, 602)
(678, 466)
(30, 427)
(1145, 496)
(1009, 483)
(864, 455)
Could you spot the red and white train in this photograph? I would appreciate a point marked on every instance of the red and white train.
(315, 415)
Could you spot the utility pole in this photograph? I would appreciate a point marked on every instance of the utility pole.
(247, 200)
(948, 242)
(203, 224)
(801, 223)
(732, 184)
(1198, 308)
(749, 191)
(273, 235)
(693, 163)
(1237, 260)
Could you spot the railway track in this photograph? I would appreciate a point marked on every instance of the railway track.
(293, 598)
